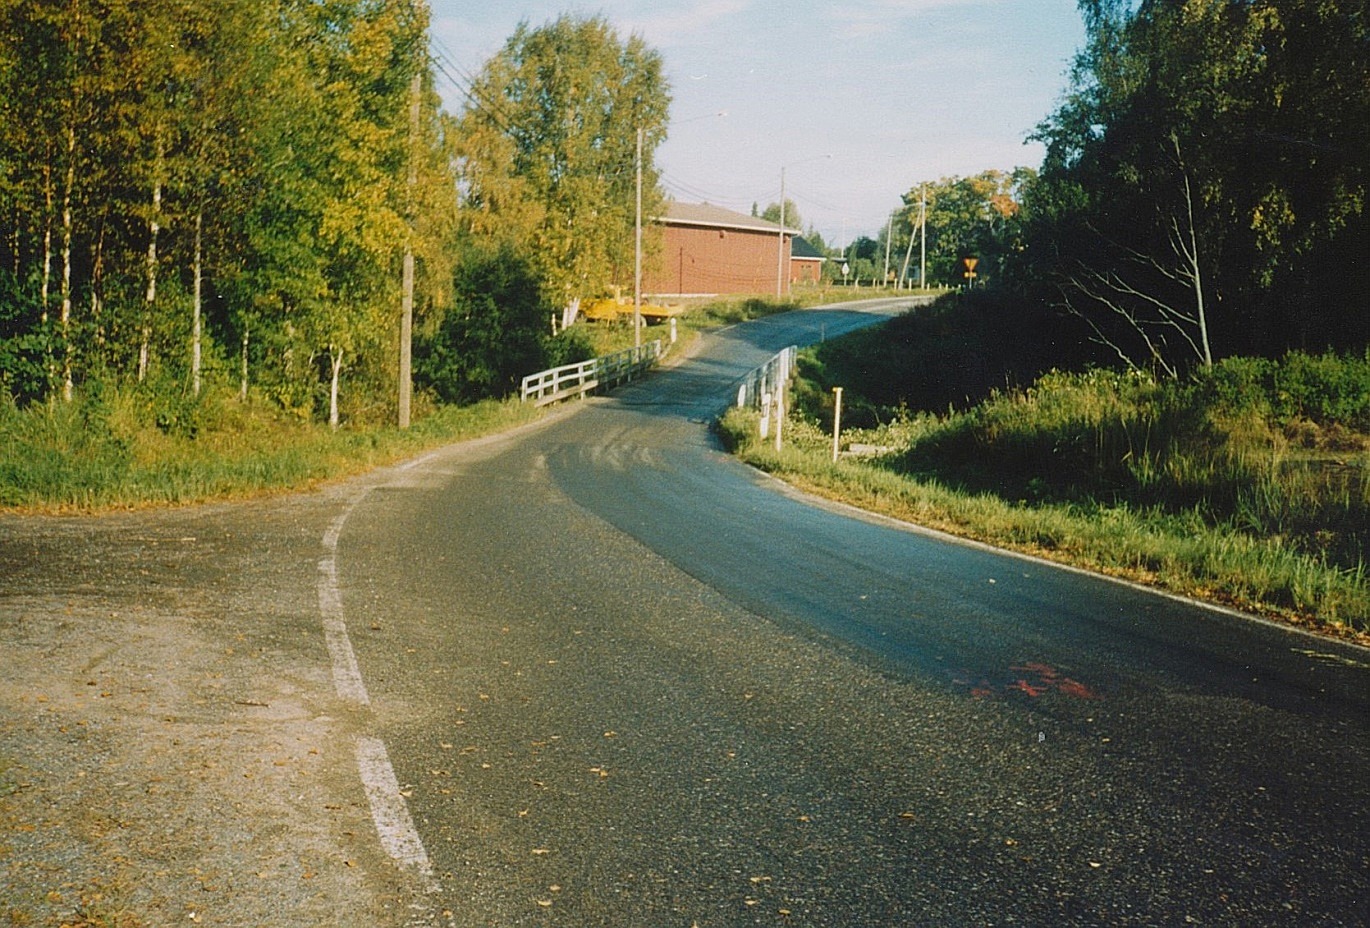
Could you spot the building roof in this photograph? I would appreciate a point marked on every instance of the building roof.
(715, 217)
(802, 250)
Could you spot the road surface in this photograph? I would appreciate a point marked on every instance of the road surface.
(622, 680)
(595, 672)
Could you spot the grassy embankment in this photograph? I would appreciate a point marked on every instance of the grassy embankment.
(128, 447)
(1247, 485)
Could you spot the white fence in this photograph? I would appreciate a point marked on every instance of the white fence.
(758, 387)
(764, 389)
(559, 383)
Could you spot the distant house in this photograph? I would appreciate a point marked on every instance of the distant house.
(708, 250)
(806, 262)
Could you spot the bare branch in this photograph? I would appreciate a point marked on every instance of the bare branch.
(1154, 318)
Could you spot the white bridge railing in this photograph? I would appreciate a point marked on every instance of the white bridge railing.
(559, 383)
(757, 388)
(763, 389)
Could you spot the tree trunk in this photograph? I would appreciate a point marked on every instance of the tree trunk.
(1190, 251)
(45, 285)
(97, 277)
(67, 386)
(195, 310)
(337, 357)
(242, 385)
(154, 227)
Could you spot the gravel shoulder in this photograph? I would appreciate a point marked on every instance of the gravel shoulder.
(172, 750)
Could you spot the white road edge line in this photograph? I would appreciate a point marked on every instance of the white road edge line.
(389, 811)
(347, 677)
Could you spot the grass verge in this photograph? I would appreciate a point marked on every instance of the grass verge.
(110, 451)
(1177, 552)
(128, 447)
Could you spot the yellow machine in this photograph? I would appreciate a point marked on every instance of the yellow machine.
(612, 309)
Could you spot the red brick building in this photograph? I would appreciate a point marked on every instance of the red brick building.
(708, 250)
(806, 262)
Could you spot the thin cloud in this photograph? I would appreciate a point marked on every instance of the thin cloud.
(877, 17)
(668, 26)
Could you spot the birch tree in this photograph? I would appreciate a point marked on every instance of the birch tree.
(548, 148)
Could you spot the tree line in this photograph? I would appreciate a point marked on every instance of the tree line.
(1203, 193)
(223, 191)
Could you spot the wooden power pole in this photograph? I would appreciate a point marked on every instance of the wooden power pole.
(407, 296)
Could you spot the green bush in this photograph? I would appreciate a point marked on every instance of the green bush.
(1327, 389)
(493, 336)
(570, 346)
(24, 344)
(1225, 446)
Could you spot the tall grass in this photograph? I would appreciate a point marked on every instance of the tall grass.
(1249, 484)
(146, 445)
(130, 447)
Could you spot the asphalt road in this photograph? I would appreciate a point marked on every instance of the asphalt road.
(624, 680)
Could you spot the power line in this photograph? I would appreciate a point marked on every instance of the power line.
(468, 86)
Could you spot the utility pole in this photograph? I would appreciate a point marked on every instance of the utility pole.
(780, 250)
(889, 238)
(407, 295)
(908, 254)
(923, 236)
(637, 252)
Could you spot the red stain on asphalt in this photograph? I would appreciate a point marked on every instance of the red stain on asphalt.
(1036, 680)
(1023, 686)
(1076, 689)
(1044, 671)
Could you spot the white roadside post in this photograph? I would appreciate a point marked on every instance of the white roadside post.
(782, 379)
(836, 422)
(779, 412)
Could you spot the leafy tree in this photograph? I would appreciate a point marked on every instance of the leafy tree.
(1238, 127)
(975, 216)
(23, 356)
(792, 221)
(175, 174)
(493, 334)
(863, 246)
(547, 149)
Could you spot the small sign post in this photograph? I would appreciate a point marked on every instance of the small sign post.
(970, 274)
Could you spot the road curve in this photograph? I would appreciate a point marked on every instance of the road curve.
(624, 680)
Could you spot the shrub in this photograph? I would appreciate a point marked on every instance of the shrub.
(494, 334)
(1328, 389)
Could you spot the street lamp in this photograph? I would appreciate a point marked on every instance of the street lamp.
(780, 249)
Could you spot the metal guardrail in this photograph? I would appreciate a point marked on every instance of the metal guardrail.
(758, 386)
(571, 380)
(763, 389)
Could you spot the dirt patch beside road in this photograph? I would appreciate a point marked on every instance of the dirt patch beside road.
(171, 747)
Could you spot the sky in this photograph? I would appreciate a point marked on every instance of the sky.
(854, 103)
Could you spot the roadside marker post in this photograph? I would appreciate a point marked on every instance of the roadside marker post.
(836, 422)
(779, 410)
